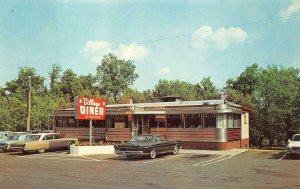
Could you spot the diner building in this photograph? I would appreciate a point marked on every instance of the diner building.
(205, 124)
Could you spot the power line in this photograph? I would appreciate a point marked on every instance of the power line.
(266, 21)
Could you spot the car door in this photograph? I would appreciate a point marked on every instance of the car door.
(55, 142)
(60, 142)
(167, 145)
(160, 144)
(38, 144)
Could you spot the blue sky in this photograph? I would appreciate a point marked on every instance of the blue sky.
(170, 39)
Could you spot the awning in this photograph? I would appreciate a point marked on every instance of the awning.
(149, 112)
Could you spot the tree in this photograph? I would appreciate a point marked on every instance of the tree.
(206, 90)
(247, 82)
(277, 98)
(70, 85)
(55, 75)
(174, 87)
(115, 76)
(88, 83)
(42, 108)
(273, 95)
(136, 96)
(15, 98)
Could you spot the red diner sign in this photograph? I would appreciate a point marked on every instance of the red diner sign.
(89, 108)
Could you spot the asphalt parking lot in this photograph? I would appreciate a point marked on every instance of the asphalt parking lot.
(251, 169)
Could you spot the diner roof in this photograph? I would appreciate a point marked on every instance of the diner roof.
(177, 103)
(200, 106)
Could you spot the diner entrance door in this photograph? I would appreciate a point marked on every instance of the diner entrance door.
(140, 124)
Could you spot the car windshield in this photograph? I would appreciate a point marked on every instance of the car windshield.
(33, 137)
(296, 138)
(22, 137)
(141, 139)
(16, 137)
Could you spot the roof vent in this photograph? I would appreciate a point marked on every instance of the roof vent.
(171, 98)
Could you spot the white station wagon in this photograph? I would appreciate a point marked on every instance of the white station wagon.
(43, 141)
(294, 145)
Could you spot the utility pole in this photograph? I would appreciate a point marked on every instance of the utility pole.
(29, 104)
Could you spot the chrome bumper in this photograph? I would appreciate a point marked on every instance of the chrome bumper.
(16, 148)
(127, 153)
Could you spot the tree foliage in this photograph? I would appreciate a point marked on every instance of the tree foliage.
(273, 95)
(175, 88)
(115, 76)
(206, 90)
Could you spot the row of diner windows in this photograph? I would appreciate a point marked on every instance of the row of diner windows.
(169, 121)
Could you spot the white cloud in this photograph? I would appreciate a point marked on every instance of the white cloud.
(164, 70)
(205, 37)
(292, 8)
(97, 45)
(132, 51)
(95, 50)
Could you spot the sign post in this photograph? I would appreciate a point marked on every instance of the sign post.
(91, 131)
(89, 109)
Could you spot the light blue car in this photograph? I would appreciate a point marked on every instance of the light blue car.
(5, 144)
(4, 135)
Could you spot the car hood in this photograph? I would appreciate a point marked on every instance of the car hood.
(136, 144)
(294, 144)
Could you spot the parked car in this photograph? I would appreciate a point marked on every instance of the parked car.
(41, 131)
(4, 135)
(42, 142)
(293, 146)
(5, 145)
(147, 145)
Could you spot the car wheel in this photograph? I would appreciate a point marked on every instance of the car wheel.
(153, 154)
(40, 151)
(175, 150)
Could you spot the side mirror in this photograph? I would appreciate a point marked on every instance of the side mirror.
(289, 140)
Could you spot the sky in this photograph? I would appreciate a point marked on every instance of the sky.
(167, 39)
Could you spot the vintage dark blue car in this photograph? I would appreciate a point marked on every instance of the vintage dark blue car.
(147, 145)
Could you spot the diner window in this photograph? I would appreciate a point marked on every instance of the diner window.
(118, 121)
(59, 122)
(193, 121)
(71, 122)
(210, 121)
(65, 121)
(174, 121)
(234, 121)
(99, 123)
(83, 123)
(152, 121)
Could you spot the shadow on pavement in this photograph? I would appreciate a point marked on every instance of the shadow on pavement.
(277, 155)
(197, 156)
(284, 156)
(13, 153)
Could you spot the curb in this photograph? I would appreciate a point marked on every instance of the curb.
(258, 150)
